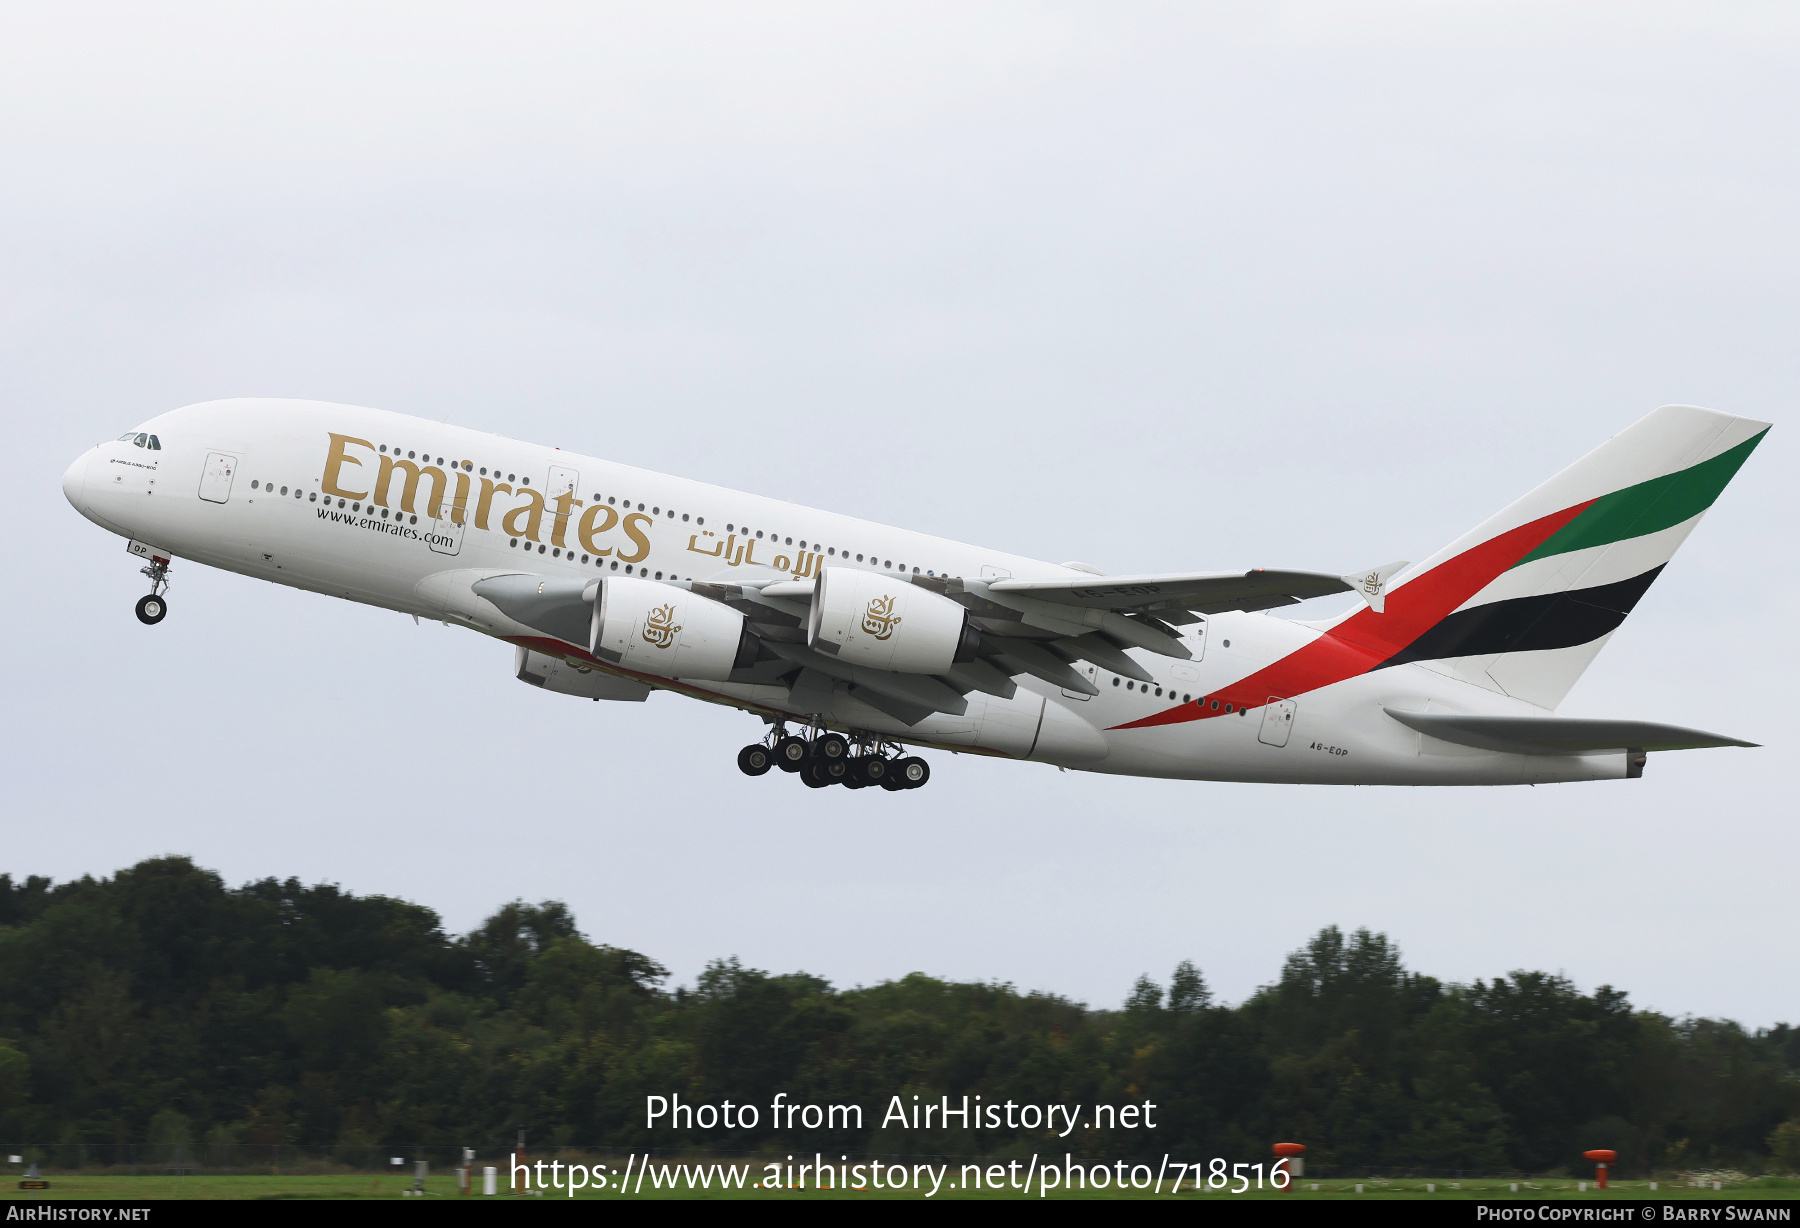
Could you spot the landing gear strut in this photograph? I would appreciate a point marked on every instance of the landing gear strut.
(828, 759)
(151, 609)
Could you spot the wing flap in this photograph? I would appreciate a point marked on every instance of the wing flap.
(1207, 592)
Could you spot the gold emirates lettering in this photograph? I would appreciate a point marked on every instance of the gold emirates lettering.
(342, 466)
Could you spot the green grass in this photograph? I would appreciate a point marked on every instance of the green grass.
(364, 1185)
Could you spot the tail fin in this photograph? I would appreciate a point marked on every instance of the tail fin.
(1523, 603)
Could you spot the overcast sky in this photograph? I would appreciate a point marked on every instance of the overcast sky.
(1156, 287)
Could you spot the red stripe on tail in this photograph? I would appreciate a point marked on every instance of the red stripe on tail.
(1366, 639)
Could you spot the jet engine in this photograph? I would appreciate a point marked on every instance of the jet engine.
(559, 675)
(668, 631)
(885, 622)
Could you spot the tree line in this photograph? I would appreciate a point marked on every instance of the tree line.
(161, 1003)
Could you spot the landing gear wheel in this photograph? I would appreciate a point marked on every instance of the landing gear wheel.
(150, 610)
(755, 759)
(873, 769)
(790, 754)
(814, 777)
(892, 782)
(830, 747)
(913, 772)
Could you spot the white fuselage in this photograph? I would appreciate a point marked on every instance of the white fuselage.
(286, 502)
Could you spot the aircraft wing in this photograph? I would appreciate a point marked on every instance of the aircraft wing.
(1557, 735)
(1208, 592)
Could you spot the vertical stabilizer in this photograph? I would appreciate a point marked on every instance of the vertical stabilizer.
(1522, 603)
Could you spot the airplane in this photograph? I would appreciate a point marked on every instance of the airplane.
(858, 644)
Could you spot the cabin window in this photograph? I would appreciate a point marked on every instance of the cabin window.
(514, 542)
(683, 517)
(284, 490)
(1215, 705)
(384, 447)
(1159, 692)
(312, 498)
(859, 558)
(584, 560)
(254, 484)
(1115, 682)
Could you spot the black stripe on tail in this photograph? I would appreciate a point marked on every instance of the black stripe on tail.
(1527, 624)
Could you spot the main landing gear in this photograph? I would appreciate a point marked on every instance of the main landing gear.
(151, 609)
(830, 759)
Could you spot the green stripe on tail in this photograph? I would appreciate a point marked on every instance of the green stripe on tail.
(1648, 507)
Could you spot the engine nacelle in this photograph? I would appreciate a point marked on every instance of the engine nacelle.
(557, 674)
(667, 631)
(885, 622)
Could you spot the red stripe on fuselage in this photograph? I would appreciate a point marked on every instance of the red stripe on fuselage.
(1366, 639)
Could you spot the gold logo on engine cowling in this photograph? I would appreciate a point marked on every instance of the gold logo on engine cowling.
(660, 629)
(879, 620)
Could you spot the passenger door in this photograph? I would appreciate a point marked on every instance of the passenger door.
(215, 479)
(445, 536)
(562, 481)
(1277, 722)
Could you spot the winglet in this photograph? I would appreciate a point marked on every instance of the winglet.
(1371, 585)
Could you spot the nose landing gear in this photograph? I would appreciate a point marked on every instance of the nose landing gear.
(151, 609)
(830, 759)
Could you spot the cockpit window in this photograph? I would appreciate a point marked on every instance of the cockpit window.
(155, 444)
(128, 436)
(141, 439)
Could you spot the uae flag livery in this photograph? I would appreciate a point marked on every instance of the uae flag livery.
(1521, 604)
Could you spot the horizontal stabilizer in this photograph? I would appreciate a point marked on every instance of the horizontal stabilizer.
(1557, 735)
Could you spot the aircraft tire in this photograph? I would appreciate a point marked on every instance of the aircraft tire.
(755, 759)
(913, 771)
(892, 782)
(790, 754)
(151, 609)
(814, 777)
(830, 747)
(875, 769)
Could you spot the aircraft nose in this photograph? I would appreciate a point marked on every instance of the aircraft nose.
(75, 480)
